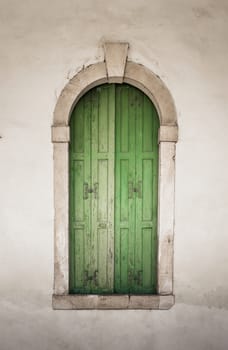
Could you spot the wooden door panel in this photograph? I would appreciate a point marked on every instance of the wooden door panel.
(136, 192)
(147, 190)
(80, 202)
(144, 226)
(102, 160)
(92, 192)
(124, 189)
(146, 200)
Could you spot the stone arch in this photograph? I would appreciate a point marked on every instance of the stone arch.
(125, 71)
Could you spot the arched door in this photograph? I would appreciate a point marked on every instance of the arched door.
(113, 192)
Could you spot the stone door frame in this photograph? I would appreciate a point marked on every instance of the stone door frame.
(116, 68)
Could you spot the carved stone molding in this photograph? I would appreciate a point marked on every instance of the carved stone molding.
(115, 59)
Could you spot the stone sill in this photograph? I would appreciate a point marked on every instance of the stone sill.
(112, 302)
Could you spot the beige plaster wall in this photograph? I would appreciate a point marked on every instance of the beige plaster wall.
(42, 46)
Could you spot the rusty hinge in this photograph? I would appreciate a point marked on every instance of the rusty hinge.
(88, 278)
(135, 277)
(132, 189)
(87, 190)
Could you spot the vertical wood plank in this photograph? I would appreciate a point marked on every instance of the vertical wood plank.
(124, 195)
(117, 237)
(139, 198)
(79, 207)
(102, 160)
(146, 203)
(132, 96)
(94, 179)
(87, 180)
(111, 187)
(147, 246)
(79, 257)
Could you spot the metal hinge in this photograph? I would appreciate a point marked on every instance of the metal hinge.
(135, 277)
(88, 278)
(134, 189)
(87, 190)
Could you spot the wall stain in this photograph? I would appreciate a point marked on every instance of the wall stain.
(202, 13)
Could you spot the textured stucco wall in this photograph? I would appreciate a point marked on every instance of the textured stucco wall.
(43, 44)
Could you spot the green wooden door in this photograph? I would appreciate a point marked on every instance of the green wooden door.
(92, 192)
(113, 228)
(136, 179)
